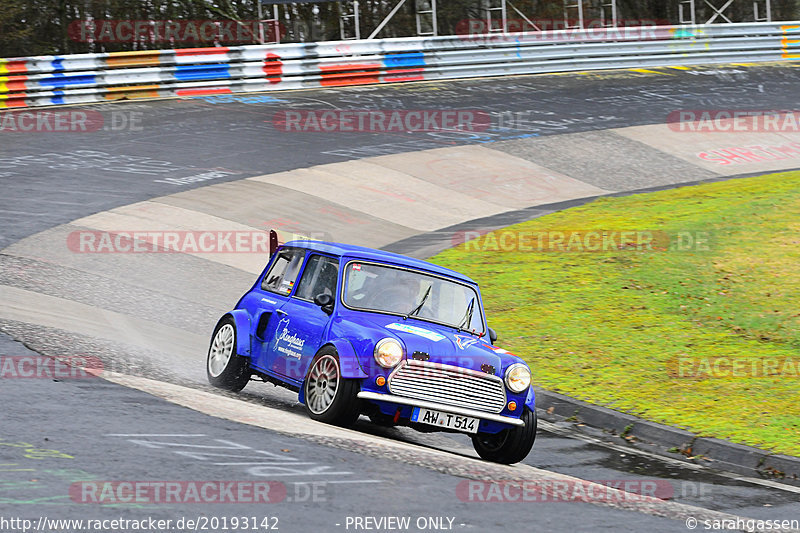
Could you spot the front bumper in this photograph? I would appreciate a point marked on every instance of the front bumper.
(366, 395)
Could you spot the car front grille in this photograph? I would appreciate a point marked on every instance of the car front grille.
(449, 385)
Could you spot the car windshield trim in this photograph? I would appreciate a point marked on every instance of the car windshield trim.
(403, 315)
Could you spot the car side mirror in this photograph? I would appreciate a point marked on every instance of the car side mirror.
(325, 301)
(492, 335)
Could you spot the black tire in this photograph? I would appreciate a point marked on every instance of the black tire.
(510, 445)
(225, 368)
(341, 407)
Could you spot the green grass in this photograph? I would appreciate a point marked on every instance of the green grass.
(607, 327)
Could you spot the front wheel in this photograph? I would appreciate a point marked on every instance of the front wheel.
(510, 445)
(329, 397)
(224, 367)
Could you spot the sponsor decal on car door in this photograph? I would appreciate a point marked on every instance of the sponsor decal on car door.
(303, 323)
(275, 291)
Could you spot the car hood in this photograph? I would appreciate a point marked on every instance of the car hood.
(432, 342)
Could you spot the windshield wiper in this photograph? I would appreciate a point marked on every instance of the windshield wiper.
(418, 308)
(462, 326)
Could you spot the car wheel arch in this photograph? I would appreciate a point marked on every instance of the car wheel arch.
(530, 401)
(349, 366)
(242, 321)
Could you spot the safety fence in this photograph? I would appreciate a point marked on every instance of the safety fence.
(86, 78)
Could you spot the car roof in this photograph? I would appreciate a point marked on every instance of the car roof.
(371, 254)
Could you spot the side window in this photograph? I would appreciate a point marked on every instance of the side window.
(282, 275)
(319, 277)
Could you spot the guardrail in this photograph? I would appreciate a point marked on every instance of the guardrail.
(86, 78)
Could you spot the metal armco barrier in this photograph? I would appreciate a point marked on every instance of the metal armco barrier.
(85, 78)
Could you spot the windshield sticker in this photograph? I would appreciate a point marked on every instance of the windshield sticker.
(465, 342)
(287, 343)
(414, 330)
(356, 267)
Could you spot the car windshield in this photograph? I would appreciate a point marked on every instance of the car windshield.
(376, 287)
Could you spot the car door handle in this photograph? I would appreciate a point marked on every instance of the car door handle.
(281, 312)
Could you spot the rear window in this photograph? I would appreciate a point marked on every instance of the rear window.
(283, 273)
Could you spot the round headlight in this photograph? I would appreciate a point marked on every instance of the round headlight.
(518, 377)
(388, 352)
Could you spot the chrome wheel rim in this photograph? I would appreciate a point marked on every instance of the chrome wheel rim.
(322, 384)
(221, 350)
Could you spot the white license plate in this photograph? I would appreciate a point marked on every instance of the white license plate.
(467, 424)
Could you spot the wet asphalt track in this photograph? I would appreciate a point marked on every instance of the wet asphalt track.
(50, 179)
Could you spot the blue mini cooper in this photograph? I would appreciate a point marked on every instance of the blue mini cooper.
(360, 331)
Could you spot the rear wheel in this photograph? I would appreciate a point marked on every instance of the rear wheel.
(329, 397)
(224, 367)
(510, 445)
